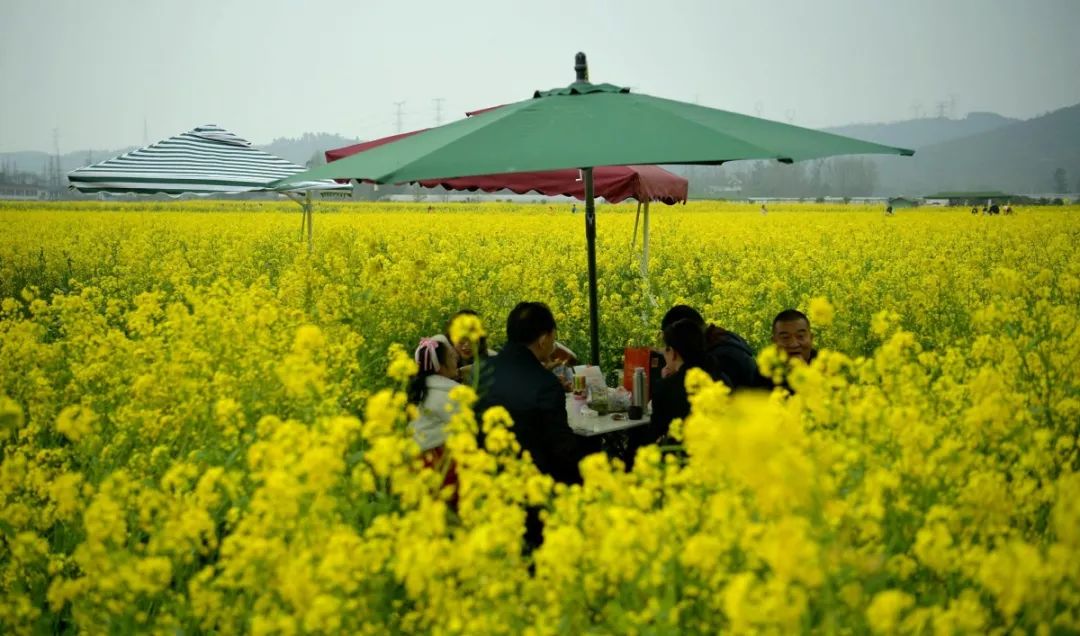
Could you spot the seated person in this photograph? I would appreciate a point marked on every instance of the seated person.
(517, 380)
(791, 333)
(430, 390)
(561, 363)
(466, 357)
(729, 353)
(684, 349)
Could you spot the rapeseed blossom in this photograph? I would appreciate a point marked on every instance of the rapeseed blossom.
(203, 427)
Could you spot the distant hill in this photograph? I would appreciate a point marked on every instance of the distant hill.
(1019, 157)
(918, 133)
(35, 160)
(982, 151)
(301, 150)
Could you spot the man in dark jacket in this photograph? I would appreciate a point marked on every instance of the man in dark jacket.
(729, 353)
(517, 380)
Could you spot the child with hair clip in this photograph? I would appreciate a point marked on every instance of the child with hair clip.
(430, 390)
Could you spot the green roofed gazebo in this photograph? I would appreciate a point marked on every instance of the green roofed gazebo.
(206, 160)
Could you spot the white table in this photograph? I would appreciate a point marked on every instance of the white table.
(588, 426)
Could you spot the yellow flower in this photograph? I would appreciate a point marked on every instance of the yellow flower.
(309, 338)
(466, 327)
(820, 312)
(402, 365)
(883, 322)
(75, 422)
(11, 416)
(886, 610)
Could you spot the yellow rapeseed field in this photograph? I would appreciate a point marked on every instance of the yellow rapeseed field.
(204, 430)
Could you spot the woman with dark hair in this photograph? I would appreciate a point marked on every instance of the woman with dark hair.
(727, 352)
(684, 349)
(430, 390)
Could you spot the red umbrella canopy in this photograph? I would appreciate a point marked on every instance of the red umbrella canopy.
(614, 183)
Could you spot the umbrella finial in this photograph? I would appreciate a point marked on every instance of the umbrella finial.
(581, 67)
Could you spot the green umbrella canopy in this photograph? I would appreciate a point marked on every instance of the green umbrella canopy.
(588, 125)
(584, 126)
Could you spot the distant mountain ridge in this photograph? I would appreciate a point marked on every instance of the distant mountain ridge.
(35, 161)
(308, 146)
(982, 151)
(1019, 157)
(918, 133)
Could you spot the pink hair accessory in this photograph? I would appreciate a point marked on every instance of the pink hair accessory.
(427, 355)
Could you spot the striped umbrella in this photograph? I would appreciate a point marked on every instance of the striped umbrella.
(206, 160)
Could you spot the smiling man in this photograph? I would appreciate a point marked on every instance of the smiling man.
(791, 333)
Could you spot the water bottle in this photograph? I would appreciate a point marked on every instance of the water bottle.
(639, 397)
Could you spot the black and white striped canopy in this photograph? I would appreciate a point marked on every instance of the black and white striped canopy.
(206, 160)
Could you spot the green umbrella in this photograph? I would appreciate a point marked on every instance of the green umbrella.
(583, 126)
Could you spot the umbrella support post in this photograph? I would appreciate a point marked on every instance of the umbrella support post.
(305, 215)
(645, 243)
(307, 211)
(590, 240)
(637, 217)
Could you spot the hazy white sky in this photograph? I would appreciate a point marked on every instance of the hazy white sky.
(267, 68)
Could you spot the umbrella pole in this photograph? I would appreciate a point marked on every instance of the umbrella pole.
(590, 240)
(645, 243)
(637, 216)
(307, 211)
(303, 210)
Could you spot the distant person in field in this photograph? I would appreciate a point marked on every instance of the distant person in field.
(791, 333)
(974, 210)
(728, 353)
(764, 210)
(466, 356)
(888, 210)
(1008, 209)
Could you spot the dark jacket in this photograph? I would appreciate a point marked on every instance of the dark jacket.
(732, 356)
(515, 380)
(670, 400)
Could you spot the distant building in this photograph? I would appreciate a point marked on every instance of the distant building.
(900, 203)
(23, 192)
(968, 198)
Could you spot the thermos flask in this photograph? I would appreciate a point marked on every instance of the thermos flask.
(640, 397)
